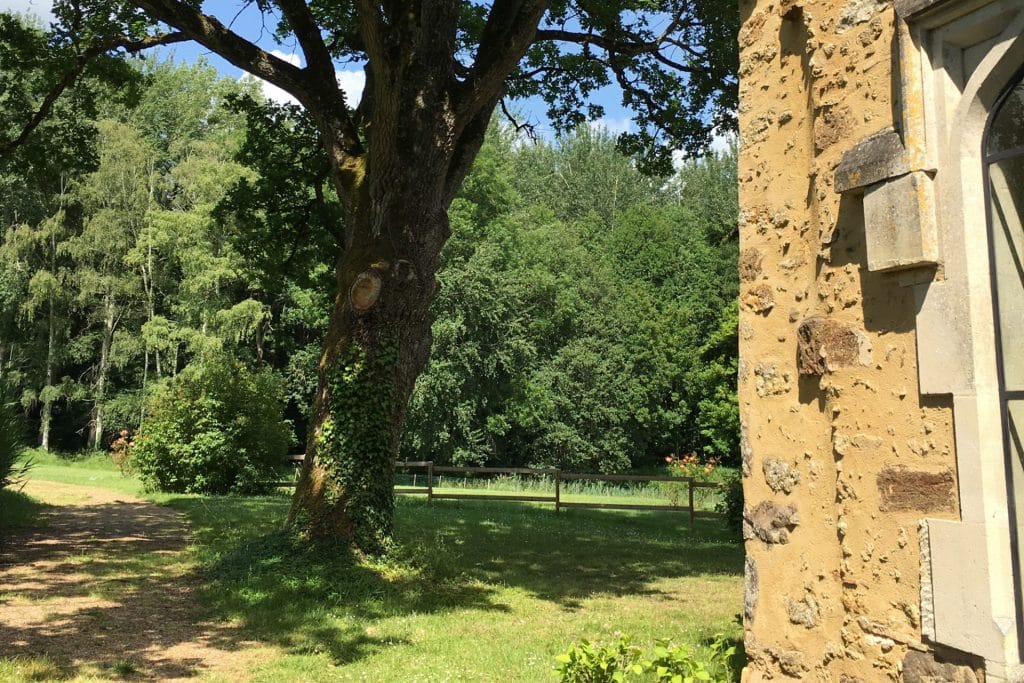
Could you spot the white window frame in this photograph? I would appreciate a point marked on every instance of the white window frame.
(955, 59)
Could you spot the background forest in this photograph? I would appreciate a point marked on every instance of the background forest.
(165, 231)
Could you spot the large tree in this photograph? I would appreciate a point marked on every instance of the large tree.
(435, 73)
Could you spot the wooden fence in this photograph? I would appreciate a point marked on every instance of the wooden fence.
(431, 471)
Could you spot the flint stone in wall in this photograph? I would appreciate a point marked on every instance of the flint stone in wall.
(833, 124)
(857, 12)
(750, 265)
(770, 380)
(904, 489)
(780, 475)
(746, 451)
(791, 662)
(921, 667)
(769, 522)
(759, 299)
(803, 611)
(750, 589)
(823, 345)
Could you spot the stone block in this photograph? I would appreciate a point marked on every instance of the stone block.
(824, 345)
(873, 160)
(899, 223)
(770, 522)
(922, 667)
(905, 489)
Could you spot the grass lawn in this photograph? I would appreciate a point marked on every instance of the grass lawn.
(474, 591)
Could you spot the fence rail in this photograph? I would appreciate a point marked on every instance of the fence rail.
(431, 492)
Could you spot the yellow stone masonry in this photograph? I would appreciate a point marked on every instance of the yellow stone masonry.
(842, 456)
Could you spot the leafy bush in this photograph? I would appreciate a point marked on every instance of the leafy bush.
(585, 663)
(217, 427)
(621, 662)
(12, 444)
(732, 504)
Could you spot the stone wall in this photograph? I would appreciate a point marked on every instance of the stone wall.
(842, 456)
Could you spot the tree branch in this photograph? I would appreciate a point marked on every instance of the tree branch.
(628, 48)
(320, 95)
(71, 75)
(373, 31)
(510, 30)
(318, 59)
(524, 127)
(211, 33)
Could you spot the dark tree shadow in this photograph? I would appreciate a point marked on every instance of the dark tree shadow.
(448, 557)
(103, 586)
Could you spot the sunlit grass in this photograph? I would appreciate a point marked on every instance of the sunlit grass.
(472, 591)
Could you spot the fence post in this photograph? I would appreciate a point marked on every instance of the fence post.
(558, 490)
(430, 481)
(690, 487)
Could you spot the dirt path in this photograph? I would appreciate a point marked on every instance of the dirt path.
(104, 588)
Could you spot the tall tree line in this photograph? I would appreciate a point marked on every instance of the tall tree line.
(585, 316)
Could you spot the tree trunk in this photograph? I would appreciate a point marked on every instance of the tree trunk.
(99, 389)
(46, 415)
(376, 346)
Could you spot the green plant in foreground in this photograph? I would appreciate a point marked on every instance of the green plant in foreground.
(124, 667)
(621, 662)
(585, 663)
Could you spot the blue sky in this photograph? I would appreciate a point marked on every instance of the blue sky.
(250, 24)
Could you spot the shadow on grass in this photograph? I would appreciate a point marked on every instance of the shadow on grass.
(317, 597)
(107, 587)
(17, 511)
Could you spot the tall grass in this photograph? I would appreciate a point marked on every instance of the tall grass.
(642, 492)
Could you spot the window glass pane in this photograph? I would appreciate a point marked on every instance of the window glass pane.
(1015, 418)
(1007, 129)
(1006, 184)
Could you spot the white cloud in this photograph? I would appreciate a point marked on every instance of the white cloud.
(721, 142)
(39, 8)
(271, 91)
(613, 125)
(351, 82)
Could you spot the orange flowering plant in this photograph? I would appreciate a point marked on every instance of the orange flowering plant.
(121, 451)
(693, 467)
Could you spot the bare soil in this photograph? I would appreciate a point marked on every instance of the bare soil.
(104, 588)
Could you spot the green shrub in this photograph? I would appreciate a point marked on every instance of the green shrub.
(668, 663)
(217, 427)
(732, 504)
(585, 663)
(12, 439)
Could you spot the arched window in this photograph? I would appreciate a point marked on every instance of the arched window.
(1004, 169)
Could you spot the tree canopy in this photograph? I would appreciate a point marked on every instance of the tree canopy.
(435, 74)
